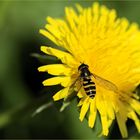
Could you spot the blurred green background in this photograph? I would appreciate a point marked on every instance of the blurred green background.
(21, 91)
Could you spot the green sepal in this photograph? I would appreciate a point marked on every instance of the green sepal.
(68, 99)
(42, 108)
(137, 90)
(45, 59)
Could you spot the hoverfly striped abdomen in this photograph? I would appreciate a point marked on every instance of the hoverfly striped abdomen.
(88, 84)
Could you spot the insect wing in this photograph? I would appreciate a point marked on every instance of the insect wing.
(105, 83)
(72, 90)
(72, 94)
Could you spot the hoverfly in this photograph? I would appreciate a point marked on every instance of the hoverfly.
(87, 83)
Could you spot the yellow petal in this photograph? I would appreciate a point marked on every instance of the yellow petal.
(62, 29)
(121, 116)
(64, 81)
(71, 17)
(109, 110)
(112, 17)
(92, 115)
(121, 120)
(49, 35)
(53, 81)
(61, 94)
(56, 33)
(56, 69)
(81, 102)
(59, 25)
(100, 104)
(65, 57)
(135, 105)
(104, 121)
(81, 93)
(95, 9)
(84, 109)
(132, 115)
(79, 8)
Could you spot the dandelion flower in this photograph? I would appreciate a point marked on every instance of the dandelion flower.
(110, 46)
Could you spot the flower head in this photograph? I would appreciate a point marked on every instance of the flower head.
(110, 46)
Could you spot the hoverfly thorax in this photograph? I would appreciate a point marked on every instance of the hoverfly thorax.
(84, 70)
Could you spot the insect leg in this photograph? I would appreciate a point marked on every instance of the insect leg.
(70, 97)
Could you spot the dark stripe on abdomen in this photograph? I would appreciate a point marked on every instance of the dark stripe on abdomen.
(89, 87)
(90, 92)
(87, 83)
